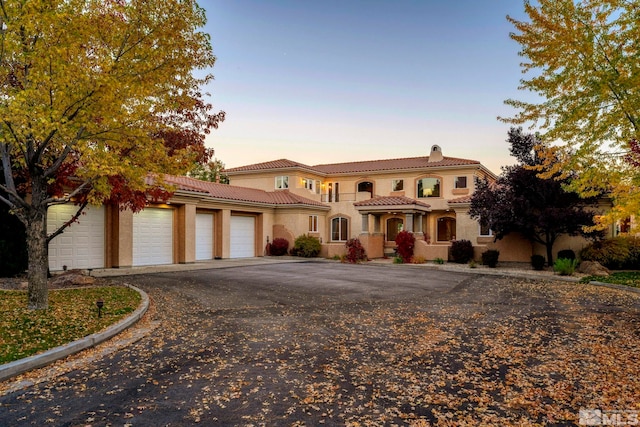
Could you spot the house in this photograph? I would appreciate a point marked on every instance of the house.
(374, 200)
(371, 200)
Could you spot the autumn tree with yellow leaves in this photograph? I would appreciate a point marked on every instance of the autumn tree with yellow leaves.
(581, 64)
(96, 95)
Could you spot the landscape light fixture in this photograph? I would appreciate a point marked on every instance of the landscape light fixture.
(100, 304)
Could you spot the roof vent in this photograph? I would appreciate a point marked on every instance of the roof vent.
(436, 154)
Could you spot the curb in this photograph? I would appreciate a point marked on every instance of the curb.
(20, 366)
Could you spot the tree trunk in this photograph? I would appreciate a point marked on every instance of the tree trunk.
(38, 290)
(549, 253)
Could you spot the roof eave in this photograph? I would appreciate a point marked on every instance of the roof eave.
(389, 208)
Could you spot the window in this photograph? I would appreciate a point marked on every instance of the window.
(429, 187)
(461, 182)
(317, 187)
(485, 231)
(397, 185)
(313, 223)
(282, 182)
(339, 229)
(333, 196)
(308, 184)
(366, 187)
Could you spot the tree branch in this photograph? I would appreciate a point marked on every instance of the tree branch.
(67, 199)
(65, 153)
(73, 219)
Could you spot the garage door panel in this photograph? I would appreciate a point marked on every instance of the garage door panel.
(204, 236)
(81, 245)
(242, 237)
(153, 237)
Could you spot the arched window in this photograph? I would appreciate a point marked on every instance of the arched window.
(366, 187)
(339, 229)
(394, 226)
(446, 229)
(429, 187)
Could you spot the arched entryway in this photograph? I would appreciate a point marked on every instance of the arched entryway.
(446, 229)
(394, 226)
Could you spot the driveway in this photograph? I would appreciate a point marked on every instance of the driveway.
(335, 344)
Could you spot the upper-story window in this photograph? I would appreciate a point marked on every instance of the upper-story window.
(429, 187)
(309, 184)
(461, 182)
(365, 187)
(318, 187)
(282, 182)
(397, 184)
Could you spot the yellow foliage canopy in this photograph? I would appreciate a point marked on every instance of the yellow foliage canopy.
(581, 64)
(86, 81)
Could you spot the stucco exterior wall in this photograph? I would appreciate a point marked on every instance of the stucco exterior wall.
(513, 248)
(373, 244)
(430, 252)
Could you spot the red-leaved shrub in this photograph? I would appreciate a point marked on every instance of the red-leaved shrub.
(279, 246)
(405, 243)
(355, 251)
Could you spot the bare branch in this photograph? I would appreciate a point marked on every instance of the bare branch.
(73, 219)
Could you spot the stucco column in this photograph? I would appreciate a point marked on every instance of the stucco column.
(408, 222)
(122, 251)
(365, 223)
(418, 225)
(377, 223)
(223, 227)
(186, 234)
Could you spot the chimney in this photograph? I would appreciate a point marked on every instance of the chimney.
(436, 154)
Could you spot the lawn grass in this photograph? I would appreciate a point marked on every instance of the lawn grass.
(72, 314)
(627, 278)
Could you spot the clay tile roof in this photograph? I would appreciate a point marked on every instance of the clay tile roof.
(391, 201)
(464, 199)
(275, 164)
(391, 164)
(243, 194)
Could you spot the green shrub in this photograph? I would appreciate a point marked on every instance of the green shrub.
(438, 261)
(490, 258)
(355, 251)
(398, 260)
(566, 254)
(537, 262)
(622, 252)
(279, 246)
(405, 243)
(306, 246)
(461, 251)
(565, 266)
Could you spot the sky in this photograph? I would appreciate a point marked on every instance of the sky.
(338, 81)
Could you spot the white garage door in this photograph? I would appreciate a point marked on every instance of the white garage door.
(153, 237)
(204, 237)
(242, 237)
(82, 244)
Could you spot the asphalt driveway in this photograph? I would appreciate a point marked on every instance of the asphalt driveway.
(335, 344)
